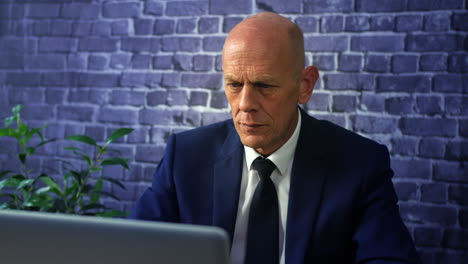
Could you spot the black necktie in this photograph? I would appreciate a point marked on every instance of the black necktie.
(262, 230)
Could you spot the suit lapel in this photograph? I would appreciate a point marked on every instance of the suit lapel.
(305, 195)
(226, 183)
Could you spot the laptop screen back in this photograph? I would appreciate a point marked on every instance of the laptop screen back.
(27, 237)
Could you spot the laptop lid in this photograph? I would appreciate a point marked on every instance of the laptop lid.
(31, 237)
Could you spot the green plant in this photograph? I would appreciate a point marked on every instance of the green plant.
(79, 191)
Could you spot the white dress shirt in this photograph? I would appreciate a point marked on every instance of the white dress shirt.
(281, 176)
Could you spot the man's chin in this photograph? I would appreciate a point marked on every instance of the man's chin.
(252, 141)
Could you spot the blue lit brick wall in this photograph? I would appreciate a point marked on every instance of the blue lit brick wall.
(393, 70)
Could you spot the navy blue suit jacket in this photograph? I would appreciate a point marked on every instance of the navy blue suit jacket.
(342, 204)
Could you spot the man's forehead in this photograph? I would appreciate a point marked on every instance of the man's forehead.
(258, 55)
(259, 66)
(261, 77)
(253, 45)
(255, 63)
(253, 54)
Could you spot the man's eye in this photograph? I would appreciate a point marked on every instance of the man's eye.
(236, 84)
(263, 85)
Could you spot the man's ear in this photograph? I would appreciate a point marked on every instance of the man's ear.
(310, 76)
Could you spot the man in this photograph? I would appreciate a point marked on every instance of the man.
(330, 195)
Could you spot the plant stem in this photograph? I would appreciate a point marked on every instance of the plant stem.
(91, 167)
(16, 200)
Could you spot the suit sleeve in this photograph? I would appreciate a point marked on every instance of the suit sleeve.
(159, 202)
(381, 236)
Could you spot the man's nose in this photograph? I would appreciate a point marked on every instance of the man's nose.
(248, 99)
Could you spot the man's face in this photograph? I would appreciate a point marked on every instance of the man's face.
(263, 93)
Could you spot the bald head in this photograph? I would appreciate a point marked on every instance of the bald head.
(265, 80)
(269, 33)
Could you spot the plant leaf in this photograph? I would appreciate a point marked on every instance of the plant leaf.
(52, 184)
(7, 132)
(77, 175)
(22, 157)
(3, 173)
(92, 170)
(25, 193)
(23, 128)
(9, 120)
(92, 206)
(72, 189)
(112, 213)
(3, 183)
(115, 161)
(87, 159)
(42, 190)
(19, 177)
(107, 194)
(25, 183)
(97, 187)
(76, 151)
(29, 134)
(118, 134)
(46, 142)
(87, 188)
(38, 132)
(40, 203)
(17, 109)
(30, 150)
(9, 182)
(82, 139)
(114, 181)
(72, 148)
(11, 196)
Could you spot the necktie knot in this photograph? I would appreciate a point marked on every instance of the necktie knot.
(264, 167)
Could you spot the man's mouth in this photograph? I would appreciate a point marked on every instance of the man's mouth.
(251, 125)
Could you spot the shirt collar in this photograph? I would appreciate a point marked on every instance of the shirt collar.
(282, 156)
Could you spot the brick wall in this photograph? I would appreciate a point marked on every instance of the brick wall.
(393, 70)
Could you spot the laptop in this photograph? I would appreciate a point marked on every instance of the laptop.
(32, 237)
